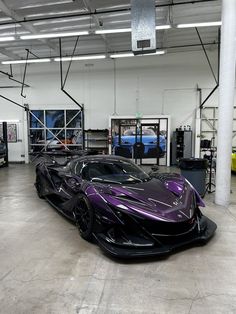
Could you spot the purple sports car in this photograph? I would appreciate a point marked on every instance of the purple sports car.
(128, 212)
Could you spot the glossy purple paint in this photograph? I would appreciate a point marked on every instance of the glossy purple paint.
(169, 200)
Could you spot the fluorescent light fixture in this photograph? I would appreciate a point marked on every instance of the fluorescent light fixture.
(14, 26)
(159, 27)
(30, 6)
(121, 55)
(126, 30)
(65, 20)
(4, 19)
(158, 52)
(54, 35)
(27, 61)
(7, 38)
(130, 54)
(9, 121)
(205, 24)
(81, 58)
(118, 6)
(113, 31)
(53, 13)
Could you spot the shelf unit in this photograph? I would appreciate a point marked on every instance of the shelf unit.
(181, 145)
(209, 125)
(55, 129)
(96, 139)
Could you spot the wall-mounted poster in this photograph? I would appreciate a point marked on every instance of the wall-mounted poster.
(11, 132)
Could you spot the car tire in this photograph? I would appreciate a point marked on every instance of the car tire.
(38, 185)
(84, 218)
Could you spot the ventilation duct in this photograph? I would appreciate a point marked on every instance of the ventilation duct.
(143, 14)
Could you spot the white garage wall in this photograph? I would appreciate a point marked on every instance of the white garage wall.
(147, 85)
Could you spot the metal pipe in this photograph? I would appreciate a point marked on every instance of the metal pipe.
(73, 53)
(11, 72)
(226, 102)
(22, 84)
(99, 12)
(218, 68)
(206, 55)
(13, 102)
(61, 75)
(24, 75)
(10, 76)
(115, 89)
(32, 53)
(61, 66)
(208, 96)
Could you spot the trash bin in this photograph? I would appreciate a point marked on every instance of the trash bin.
(194, 170)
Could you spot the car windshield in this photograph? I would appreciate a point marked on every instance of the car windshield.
(148, 132)
(119, 172)
(145, 132)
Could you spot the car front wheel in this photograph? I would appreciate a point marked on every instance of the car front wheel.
(39, 187)
(84, 217)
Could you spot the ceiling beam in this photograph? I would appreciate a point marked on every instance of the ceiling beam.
(161, 35)
(9, 54)
(99, 12)
(91, 8)
(28, 27)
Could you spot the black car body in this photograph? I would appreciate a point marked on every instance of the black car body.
(127, 211)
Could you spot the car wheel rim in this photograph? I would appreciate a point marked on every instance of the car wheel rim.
(38, 184)
(83, 216)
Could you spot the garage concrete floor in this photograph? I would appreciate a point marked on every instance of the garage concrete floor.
(45, 267)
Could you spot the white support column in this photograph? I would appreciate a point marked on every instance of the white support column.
(226, 102)
(197, 134)
(26, 136)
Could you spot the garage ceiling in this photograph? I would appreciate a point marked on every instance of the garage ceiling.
(26, 17)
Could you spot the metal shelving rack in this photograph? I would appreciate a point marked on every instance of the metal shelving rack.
(96, 139)
(181, 145)
(209, 120)
(72, 125)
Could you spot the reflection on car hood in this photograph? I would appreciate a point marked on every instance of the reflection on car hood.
(153, 199)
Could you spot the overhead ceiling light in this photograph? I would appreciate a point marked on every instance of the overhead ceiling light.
(66, 20)
(27, 61)
(126, 30)
(114, 7)
(9, 121)
(113, 31)
(4, 19)
(122, 55)
(54, 35)
(130, 54)
(158, 52)
(205, 24)
(7, 38)
(54, 13)
(30, 6)
(80, 58)
(159, 27)
(2, 27)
